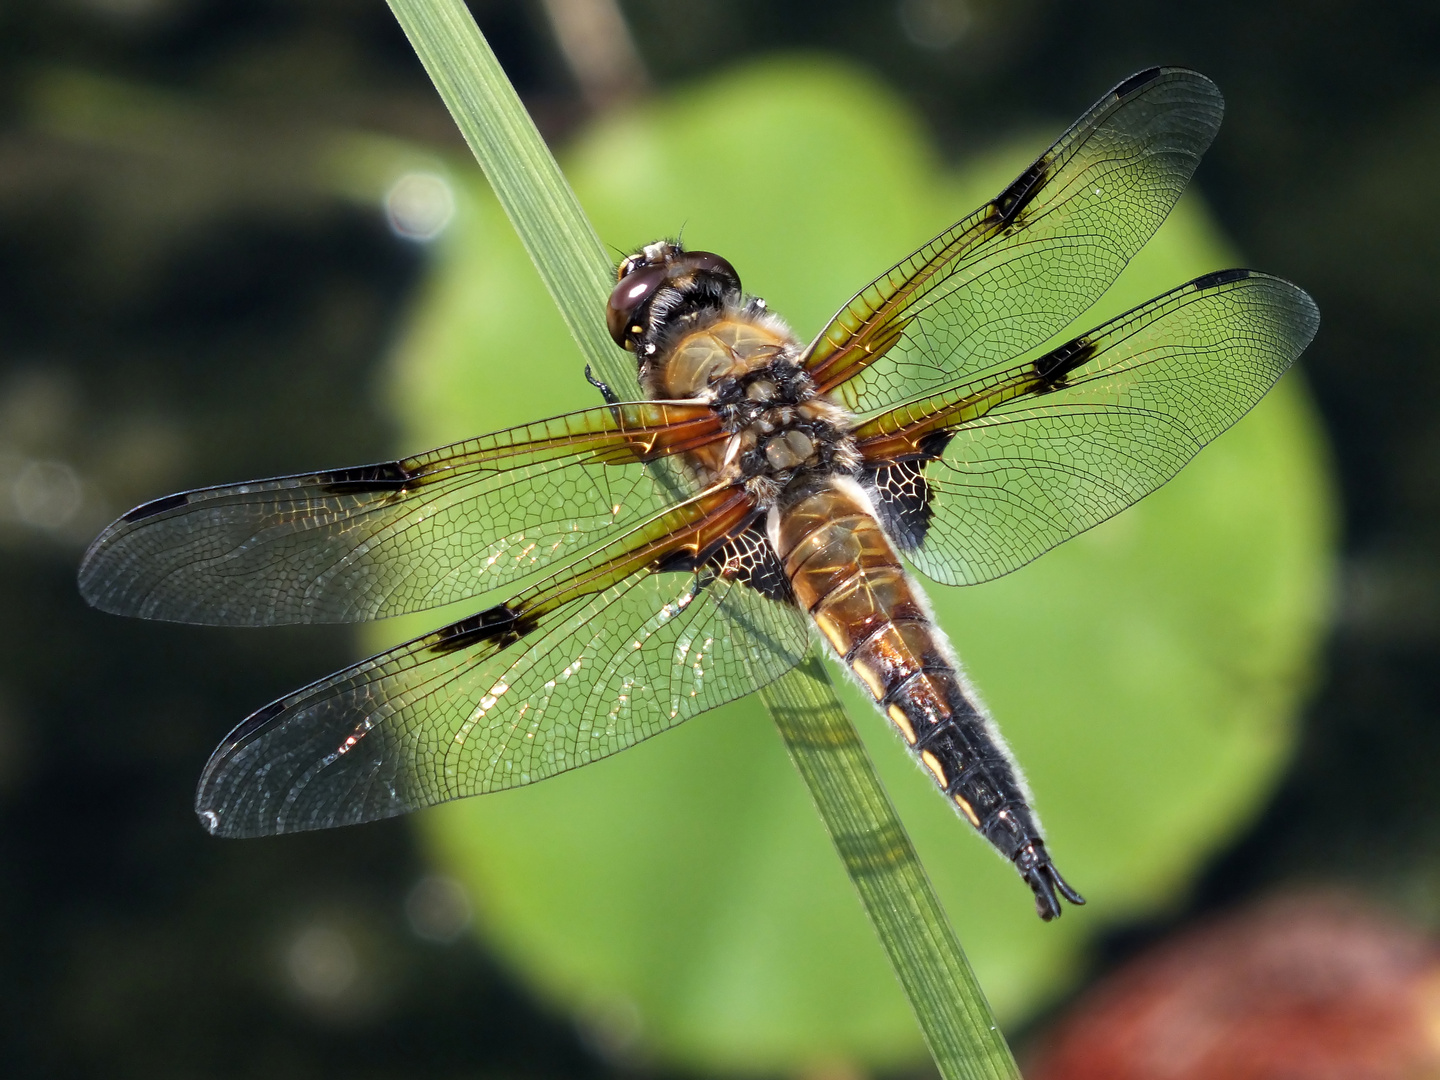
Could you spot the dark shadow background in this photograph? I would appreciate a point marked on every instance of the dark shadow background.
(182, 314)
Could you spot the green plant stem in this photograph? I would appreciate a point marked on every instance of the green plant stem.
(937, 979)
(894, 889)
(557, 235)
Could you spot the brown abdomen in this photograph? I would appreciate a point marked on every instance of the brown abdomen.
(847, 575)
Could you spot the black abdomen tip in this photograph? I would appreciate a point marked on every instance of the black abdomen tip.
(1045, 881)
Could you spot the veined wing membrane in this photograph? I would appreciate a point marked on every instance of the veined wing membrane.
(363, 543)
(990, 475)
(1018, 270)
(578, 668)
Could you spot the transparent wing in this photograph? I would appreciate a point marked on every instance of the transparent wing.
(377, 540)
(552, 680)
(1018, 270)
(979, 480)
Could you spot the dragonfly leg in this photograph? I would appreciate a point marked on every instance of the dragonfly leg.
(603, 387)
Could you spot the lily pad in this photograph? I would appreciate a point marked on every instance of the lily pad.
(682, 897)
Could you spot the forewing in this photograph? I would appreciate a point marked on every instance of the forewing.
(1021, 268)
(504, 699)
(978, 481)
(378, 540)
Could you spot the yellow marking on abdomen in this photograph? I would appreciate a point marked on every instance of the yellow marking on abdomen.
(968, 811)
(933, 764)
(901, 721)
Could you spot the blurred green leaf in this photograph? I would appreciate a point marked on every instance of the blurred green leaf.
(683, 894)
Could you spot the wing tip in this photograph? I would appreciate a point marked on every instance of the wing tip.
(98, 578)
(1143, 80)
(94, 583)
(1133, 84)
(210, 806)
(244, 824)
(1305, 311)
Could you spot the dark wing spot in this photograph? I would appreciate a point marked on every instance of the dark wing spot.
(749, 559)
(1219, 277)
(902, 498)
(156, 506)
(1138, 81)
(365, 479)
(498, 622)
(1057, 363)
(902, 494)
(934, 444)
(1010, 202)
(746, 557)
(680, 561)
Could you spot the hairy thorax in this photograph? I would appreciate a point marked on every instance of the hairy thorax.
(742, 362)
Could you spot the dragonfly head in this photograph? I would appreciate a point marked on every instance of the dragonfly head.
(660, 282)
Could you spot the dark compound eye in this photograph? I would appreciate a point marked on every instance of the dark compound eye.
(629, 294)
(708, 262)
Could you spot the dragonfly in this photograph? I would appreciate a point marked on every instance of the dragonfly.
(642, 561)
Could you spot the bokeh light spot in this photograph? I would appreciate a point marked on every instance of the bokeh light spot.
(45, 494)
(419, 206)
(322, 963)
(934, 24)
(438, 909)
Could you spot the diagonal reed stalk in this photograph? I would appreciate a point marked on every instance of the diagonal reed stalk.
(937, 979)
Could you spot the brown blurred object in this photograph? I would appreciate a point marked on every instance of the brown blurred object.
(1299, 987)
(596, 42)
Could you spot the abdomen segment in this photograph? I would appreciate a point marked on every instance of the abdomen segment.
(846, 574)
